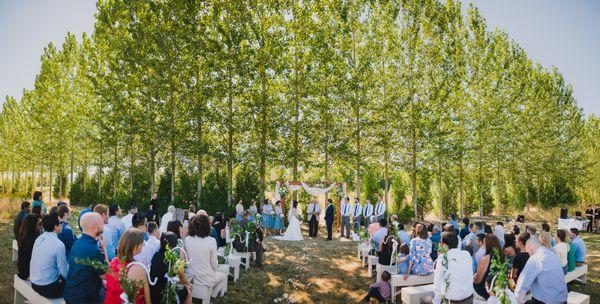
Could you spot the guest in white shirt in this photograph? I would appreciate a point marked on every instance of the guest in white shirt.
(480, 244)
(380, 209)
(48, 266)
(367, 213)
(202, 252)
(458, 273)
(562, 248)
(127, 218)
(151, 246)
(166, 218)
(115, 223)
(499, 232)
(346, 212)
(239, 211)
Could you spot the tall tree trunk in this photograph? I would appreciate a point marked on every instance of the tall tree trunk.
(115, 170)
(41, 176)
(440, 193)
(263, 134)
(33, 177)
(131, 164)
(51, 183)
(413, 175)
(358, 154)
(296, 126)
(84, 177)
(172, 127)
(499, 184)
(100, 170)
(230, 144)
(72, 166)
(480, 175)
(461, 188)
(153, 170)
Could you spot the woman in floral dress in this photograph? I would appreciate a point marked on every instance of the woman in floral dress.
(420, 254)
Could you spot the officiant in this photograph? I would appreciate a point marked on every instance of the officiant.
(312, 215)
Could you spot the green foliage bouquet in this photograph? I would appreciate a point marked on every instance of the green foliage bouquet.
(175, 265)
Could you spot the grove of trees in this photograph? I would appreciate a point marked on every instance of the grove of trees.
(212, 101)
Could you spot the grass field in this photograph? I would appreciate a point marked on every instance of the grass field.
(312, 271)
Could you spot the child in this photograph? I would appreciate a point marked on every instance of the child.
(380, 290)
(402, 259)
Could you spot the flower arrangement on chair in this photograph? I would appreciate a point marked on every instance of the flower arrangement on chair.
(175, 265)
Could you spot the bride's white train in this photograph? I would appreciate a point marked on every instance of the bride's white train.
(293, 231)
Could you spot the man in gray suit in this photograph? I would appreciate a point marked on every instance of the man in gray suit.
(346, 212)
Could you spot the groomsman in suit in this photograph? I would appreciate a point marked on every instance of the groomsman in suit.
(346, 212)
(380, 209)
(329, 215)
(368, 211)
(313, 212)
(357, 214)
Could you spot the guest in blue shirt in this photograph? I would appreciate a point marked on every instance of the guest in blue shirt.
(403, 235)
(465, 230)
(84, 282)
(66, 236)
(115, 223)
(453, 222)
(435, 238)
(107, 234)
(49, 266)
(579, 247)
(542, 275)
(37, 201)
(139, 221)
(381, 233)
(84, 211)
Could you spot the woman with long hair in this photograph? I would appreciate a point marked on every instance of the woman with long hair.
(29, 231)
(492, 248)
(420, 262)
(130, 244)
(159, 269)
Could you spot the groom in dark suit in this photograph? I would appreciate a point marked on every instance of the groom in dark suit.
(329, 215)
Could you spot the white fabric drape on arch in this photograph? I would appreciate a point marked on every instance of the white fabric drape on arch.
(317, 191)
(314, 191)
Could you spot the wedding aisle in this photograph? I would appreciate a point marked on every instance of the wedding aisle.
(309, 271)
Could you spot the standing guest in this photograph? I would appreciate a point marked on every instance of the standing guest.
(84, 282)
(130, 245)
(420, 253)
(151, 245)
(589, 214)
(380, 209)
(127, 218)
(154, 208)
(483, 266)
(253, 209)
(578, 246)
(239, 211)
(255, 244)
(116, 225)
(458, 289)
(546, 229)
(29, 231)
(381, 290)
(37, 201)
(66, 236)
(562, 248)
(499, 232)
(403, 235)
(167, 217)
(357, 214)
(278, 220)
(90, 208)
(202, 251)
(139, 221)
(25, 209)
(521, 257)
(542, 275)
(49, 268)
(466, 229)
(435, 240)
(159, 269)
(381, 234)
(368, 213)
(346, 212)
(107, 232)
(329, 217)
(453, 222)
(597, 217)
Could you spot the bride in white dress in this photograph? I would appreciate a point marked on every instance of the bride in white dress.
(293, 231)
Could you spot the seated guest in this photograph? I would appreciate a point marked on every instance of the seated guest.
(139, 221)
(381, 290)
(542, 275)
(115, 223)
(402, 259)
(450, 228)
(404, 237)
(66, 236)
(499, 232)
(470, 240)
(487, 228)
(483, 266)
(151, 246)
(394, 220)
(420, 254)
(49, 268)
(386, 247)
(516, 230)
(159, 269)
(202, 251)
(532, 231)
(84, 282)
(578, 247)
(373, 226)
(25, 209)
(218, 226)
(453, 222)
(28, 232)
(84, 211)
(510, 248)
(521, 257)
(435, 238)
(107, 234)
(130, 245)
(167, 217)
(175, 227)
(465, 230)
(379, 236)
(458, 267)
(545, 239)
(481, 245)
(546, 229)
(562, 248)
(126, 220)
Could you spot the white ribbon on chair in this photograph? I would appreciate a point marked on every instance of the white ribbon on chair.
(124, 296)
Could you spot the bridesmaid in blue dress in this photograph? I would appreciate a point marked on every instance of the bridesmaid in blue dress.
(278, 221)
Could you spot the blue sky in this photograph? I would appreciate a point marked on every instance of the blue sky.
(564, 33)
